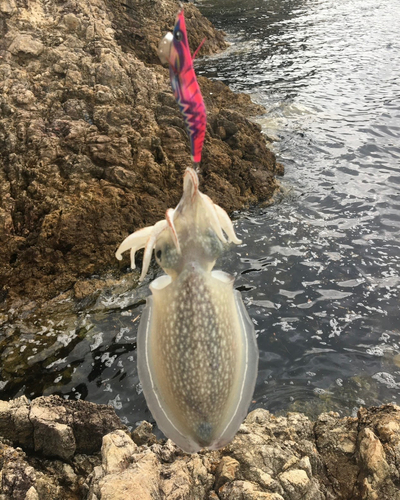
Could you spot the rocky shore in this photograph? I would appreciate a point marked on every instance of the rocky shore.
(92, 147)
(51, 449)
(92, 144)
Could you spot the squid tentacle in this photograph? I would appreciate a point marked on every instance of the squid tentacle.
(214, 221)
(151, 242)
(169, 215)
(134, 242)
(226, 224)
(147, 237)
(143, 238)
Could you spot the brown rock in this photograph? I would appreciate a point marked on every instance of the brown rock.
(372, 454)
(143, 434)
(93, 145)
(26, 44)
(17, 476)
(71, 22)
(140, 481)
(7, 6)
(116, 451)
(244, 490)
(55, 427)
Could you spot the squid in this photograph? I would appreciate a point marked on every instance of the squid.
(196, 346)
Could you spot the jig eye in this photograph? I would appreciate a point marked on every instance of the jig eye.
(179, 35)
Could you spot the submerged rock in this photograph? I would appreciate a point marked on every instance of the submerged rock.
(92, 143)
(271, 458)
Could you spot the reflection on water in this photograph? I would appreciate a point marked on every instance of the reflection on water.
(319, 270)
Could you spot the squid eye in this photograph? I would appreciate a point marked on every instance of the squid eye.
(158, 254)
(179, 36)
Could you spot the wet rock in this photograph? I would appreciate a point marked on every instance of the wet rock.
(336, 442)
(92, 143)
(378, 452)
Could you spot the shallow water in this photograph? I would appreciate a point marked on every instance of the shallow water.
(318, 270)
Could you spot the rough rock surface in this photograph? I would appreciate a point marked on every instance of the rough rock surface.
(271, 458)
(92, 144)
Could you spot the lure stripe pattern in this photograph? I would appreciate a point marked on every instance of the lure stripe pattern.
(186, 88)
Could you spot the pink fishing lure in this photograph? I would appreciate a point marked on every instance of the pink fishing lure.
(174, 49)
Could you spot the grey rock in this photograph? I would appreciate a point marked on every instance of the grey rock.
(55, 427)
(271, 458)
(53, 439)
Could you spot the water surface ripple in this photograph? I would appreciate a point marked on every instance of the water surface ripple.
(320, 270)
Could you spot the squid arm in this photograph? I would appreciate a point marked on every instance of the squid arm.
(226, 224)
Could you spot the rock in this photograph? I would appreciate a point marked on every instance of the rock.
(14, 421)
(116, 451)
(226, 471)
(55, 427)
(295, 482)
(71, 22)
(143, 434)
(54, 439)
(30, 477)
(271, 458)
(377, 452)
(93, 145)
(244, 490)
(32, 494)
(372, 454)
(139, 481)
(26, 44)
(336, 442)
(17, 476)
(7, 6)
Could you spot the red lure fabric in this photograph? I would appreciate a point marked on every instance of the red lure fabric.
(186, 88)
